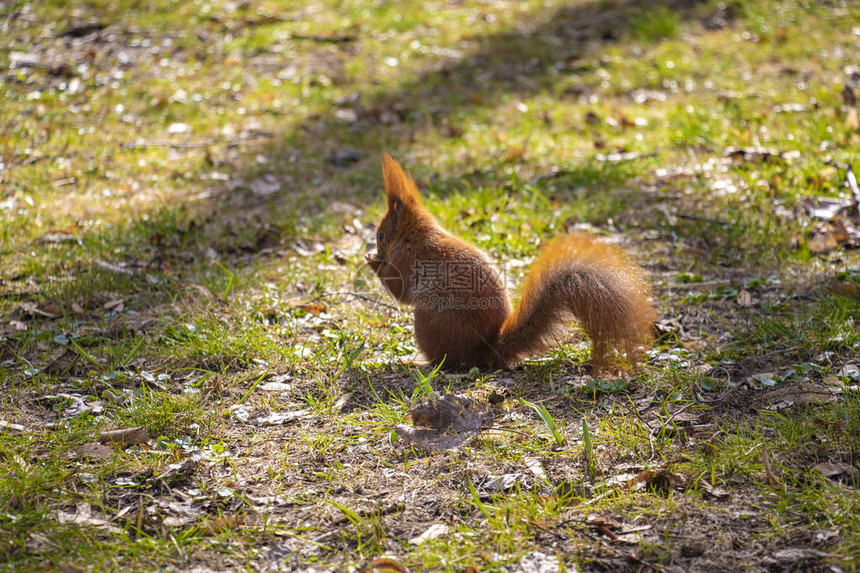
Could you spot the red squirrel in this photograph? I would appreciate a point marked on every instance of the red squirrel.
(463, 316)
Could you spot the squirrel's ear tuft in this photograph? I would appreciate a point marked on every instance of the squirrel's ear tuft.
(399, 185)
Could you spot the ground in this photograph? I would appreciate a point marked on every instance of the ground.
(200, 374)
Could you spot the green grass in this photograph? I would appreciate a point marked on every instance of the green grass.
(172, 215)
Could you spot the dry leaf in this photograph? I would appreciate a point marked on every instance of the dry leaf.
(115, 305)
(221, 524)
(265, 185)
(450, 411)
(536, 468)
(276, 387)
(8, 349)
(515, 153)
(802, 393)
(444, 422)
(602, 525)
(95, 451)
(63, 364)
(180, 470)
(661, 480)
(822, 243)
(314, 308)
(84, 517)
(837, 470)
(434, 531)
(10, 427)
(341, 402)
(852, 123)
(537, 562)
(385, 565)
(713, 491)
(125, 436)
(280, 418)
(179, 520)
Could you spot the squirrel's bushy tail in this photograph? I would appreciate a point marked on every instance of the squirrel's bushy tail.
(592, 282)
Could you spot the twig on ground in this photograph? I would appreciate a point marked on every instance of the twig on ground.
(354, 295)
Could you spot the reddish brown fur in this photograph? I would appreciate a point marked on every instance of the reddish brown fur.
(575, 276)
(474, 324)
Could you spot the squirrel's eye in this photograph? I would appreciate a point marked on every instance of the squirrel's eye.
(380, 236)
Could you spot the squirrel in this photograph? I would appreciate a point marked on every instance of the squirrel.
(463, 315)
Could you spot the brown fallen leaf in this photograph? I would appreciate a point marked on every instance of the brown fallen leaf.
(94, 450)
(515, 153)
(31, 310)
(124, 436)
(713, 491)
(852, 122)
(8, 349)
(314, 308)
(661, 480)
(64, 364)
(839, 471)
(822, 243)
(179, 520)
(444, 422)
(801, 393)
(221, 524)
(844, 288)
(385, 565)
(602, 525)
(83, 516)
(115, 305)
(180, 470)
(450, 411)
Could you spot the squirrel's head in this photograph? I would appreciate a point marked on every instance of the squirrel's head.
(404, 205)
